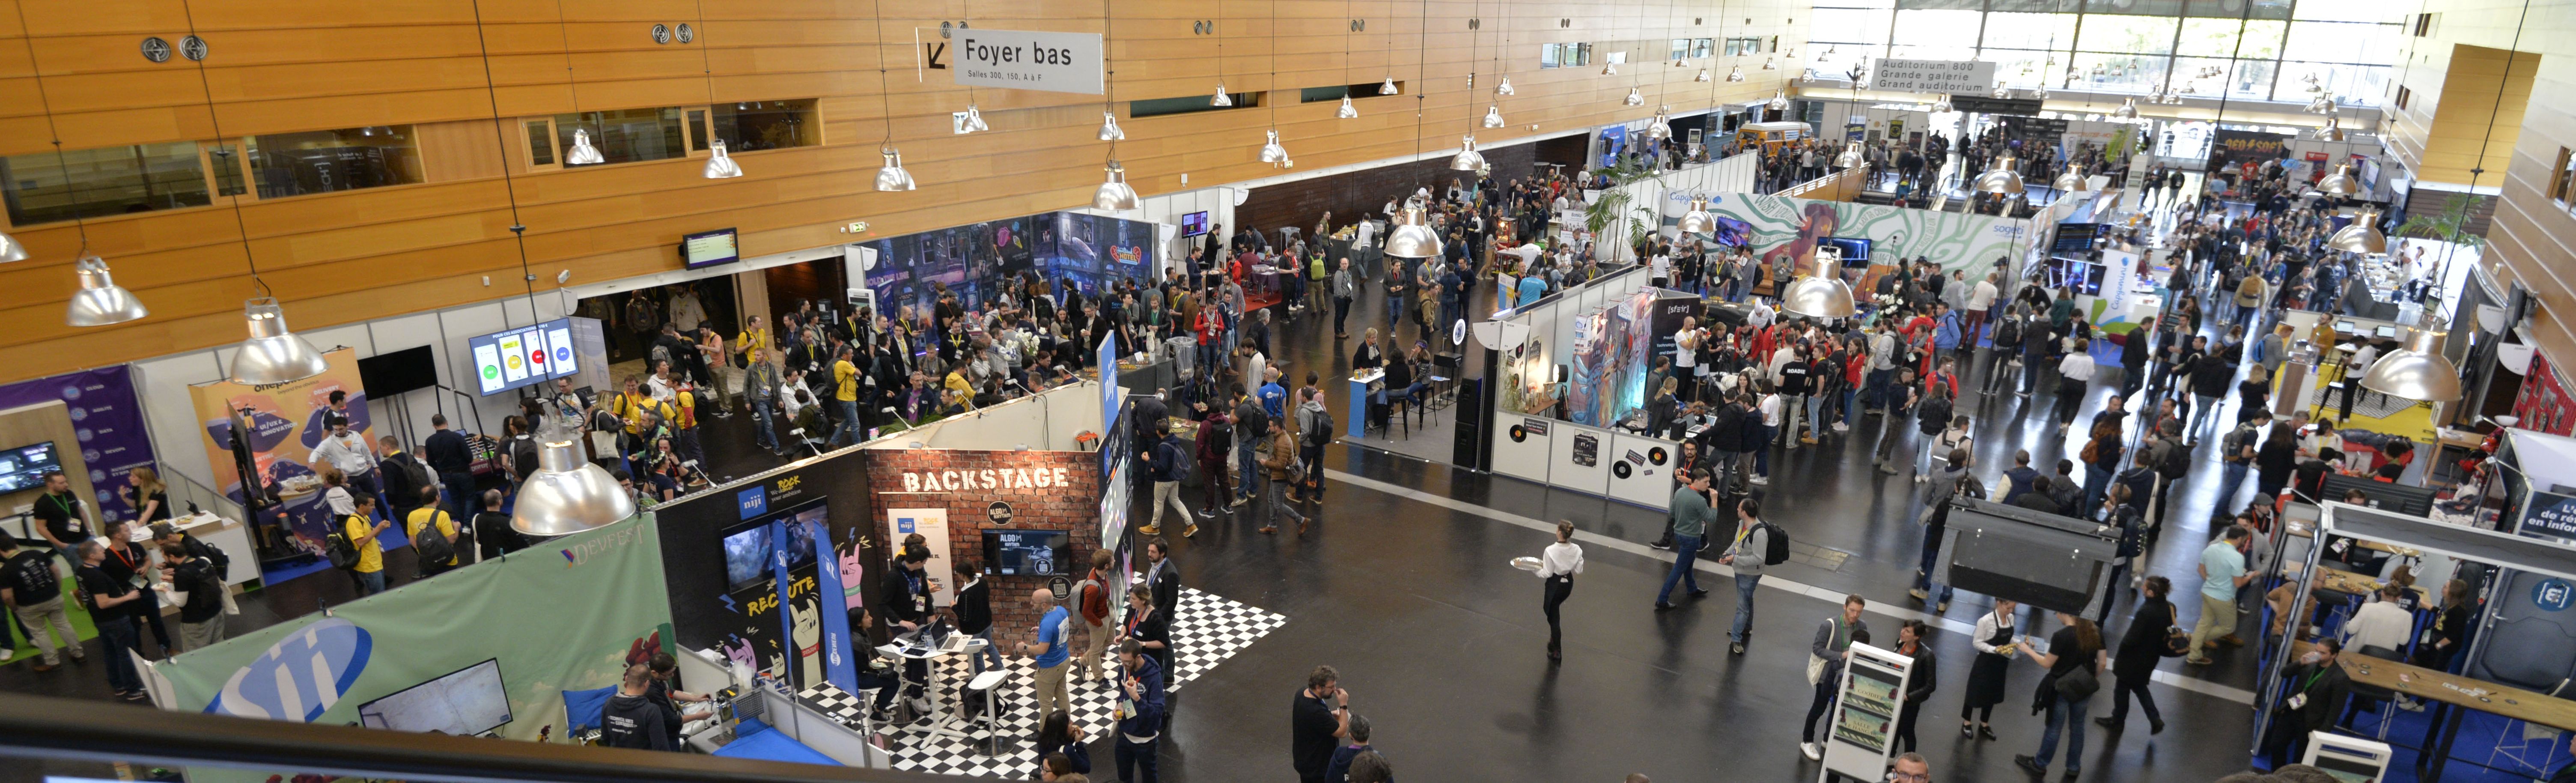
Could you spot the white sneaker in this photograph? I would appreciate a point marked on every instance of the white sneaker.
(1841, 427)
(1813, 751)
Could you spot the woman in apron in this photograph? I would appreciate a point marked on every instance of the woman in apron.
(1994, 643)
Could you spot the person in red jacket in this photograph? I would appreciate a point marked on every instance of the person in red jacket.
(1091, 597)
(1215, 447)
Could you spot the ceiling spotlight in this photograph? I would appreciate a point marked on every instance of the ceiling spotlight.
(1114, 193)
(1411, 236)
(1493, 116)
(2418, 371)
(1272, 152)
(1221, 99)
(273, 355)
(1820, 295)
(1389, 87)
(1634, 98)
(1506, 87)
(891, 178)
(1347, 111)
(100, 301)
(582, 154)
(2360, 236)
(1109, 127)
(720, 165)
(1468, 159)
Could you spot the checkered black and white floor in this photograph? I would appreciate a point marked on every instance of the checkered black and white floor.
(1208, 630)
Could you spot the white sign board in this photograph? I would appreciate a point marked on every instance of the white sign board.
(1863, 721)
(932, 524)
(1942, 76)
(1028, 60)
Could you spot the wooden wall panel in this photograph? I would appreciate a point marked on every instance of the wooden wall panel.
(340, 258)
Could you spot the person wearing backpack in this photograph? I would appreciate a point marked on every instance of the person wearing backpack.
(437, 551)
(1758, 546)
(1317, 433)
(357, 549)
(2172, 462)
(1091, 598)
(2074, 658)
(1165, 461)
(1951, 483)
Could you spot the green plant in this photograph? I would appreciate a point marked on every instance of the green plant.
(1606, 208)
(2450, 225)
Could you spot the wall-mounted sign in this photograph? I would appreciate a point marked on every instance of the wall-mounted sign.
(999, 512)
(1029, 60)
(2550, 514)
(1944, 76)
(1587, 449)
(987, 479)
(1985, 105)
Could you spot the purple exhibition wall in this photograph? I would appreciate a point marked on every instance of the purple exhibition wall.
(107, 418)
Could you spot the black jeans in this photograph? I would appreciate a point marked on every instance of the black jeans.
(1558, 587)
(2121, 688)
(1816, 709)
(885, 684)
(1341, 312)
(1131, 755)
(1905, 724)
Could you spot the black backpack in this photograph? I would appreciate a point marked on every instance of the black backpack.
(337, 548)
(2175, 461)
(1319, 430)
(433, 548)
(1775, 544)
(2008, 332)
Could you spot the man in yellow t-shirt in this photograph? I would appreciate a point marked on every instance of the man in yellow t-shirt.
(361, 529)
(429, 514)
(845, 398)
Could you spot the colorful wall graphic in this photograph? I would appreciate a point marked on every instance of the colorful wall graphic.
(285, 423)
(1069, 250)
(107, 419)
(2543, 405)
(1785, 231)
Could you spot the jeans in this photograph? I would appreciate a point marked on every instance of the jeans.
(1723, 467)
(1905, 724)
(1795, 407)
(1939, 593)
(1133, 755)
(1395, 311)
(1273, 495)
(121, 639)
(1851, 408)
(2065, 717)
(1762, 454)
(764, 430)
(369, 582)
(460, 493)
(884, 684)
(2231, 478)
(977, 663)
(1553, 596)
(1743, 628)
(847, 432)
(2208, 411)
(1815, 422)
(2097, 481)
(1341, 313)
(2030, 367)
(1247, 466)
(1816, 707)
(1685, 552)
(1168, 494)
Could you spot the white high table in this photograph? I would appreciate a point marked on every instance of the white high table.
(908, 647)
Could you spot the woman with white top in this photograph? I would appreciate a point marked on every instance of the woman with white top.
(1771, 406)
(1994, 642)
(1558, 565)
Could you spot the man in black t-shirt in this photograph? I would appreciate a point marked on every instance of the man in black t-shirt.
(61, 517)
(112, 604)
(1320, 716)
(33, 591)
(201, 619)
(631, 719)
(493, 535)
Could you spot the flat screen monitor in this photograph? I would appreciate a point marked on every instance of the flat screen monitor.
(709, 248)
(387, 374)
(1194, 224)
(24, 468)
(750, 547)
(524, 356)
(1732, 232)
(1028, 552)
(464, 703)
(1855, 252)
(2384, 332)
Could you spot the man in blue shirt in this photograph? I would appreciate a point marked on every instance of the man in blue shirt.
(2222, 572)
(1051, 650)
(1274, 398)
(2021, 479)
(1140, 713)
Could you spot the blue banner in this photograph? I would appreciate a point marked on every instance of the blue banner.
(1110, 397)
(838, 669)
(786, 615)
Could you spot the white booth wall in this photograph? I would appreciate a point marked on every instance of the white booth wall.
(1046, 421)
(1564, 454)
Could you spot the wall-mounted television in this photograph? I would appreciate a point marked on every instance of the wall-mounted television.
(24, 468)
(749, 548)
(387, 374)
(709, 248)
(1028, 552)
(463, 703)
(524, 356)
(1732, 232)
(1194, 224)
(1855, 251)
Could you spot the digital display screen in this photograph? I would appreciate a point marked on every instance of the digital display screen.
(1194, 224)
(1028, 552)
(749, 548)
(1732, 232)
(521, 357)
(1855, 251)
(24, 468)
(709, 248)
(464, 703)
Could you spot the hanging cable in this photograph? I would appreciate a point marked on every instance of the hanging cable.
(70, 184)
(501, 146)
(216, 121)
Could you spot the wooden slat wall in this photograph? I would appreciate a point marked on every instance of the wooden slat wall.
(281, 65)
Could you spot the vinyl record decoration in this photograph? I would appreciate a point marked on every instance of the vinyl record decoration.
(999, 512)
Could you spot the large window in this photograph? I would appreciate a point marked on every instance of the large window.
(44, 188)
(296, 164)
(662, 133)
(762, 125)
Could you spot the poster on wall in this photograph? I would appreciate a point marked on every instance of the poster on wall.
(107, 420)
(1784, 232)
(2244, 148)
(932, 524)
(284, 424)
(761, 554)
(2543, 406)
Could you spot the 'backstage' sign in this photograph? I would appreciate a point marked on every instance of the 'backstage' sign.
(1029, 60)
(986, 479)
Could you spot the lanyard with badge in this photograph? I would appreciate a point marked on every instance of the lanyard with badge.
(2300, 698)
(72, 518)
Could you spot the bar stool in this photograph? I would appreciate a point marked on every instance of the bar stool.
(983, 686)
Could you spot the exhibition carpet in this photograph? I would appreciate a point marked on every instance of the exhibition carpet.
(393, 540)
(756, 740)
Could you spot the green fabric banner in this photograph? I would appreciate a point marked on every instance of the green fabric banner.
(564, 616)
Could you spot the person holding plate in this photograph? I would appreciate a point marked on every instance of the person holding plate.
(1994, 642)
(1558, 565)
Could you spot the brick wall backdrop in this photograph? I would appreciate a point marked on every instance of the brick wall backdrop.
(1074, 507)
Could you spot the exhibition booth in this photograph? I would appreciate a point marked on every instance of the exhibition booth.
(1568, 367)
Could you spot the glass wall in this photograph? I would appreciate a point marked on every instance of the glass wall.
(296, 164)
(45, 188)
(2242, 49)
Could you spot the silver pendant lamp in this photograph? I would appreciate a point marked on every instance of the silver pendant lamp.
(1221, 98)
(1493, 116)
(1506, 87)
(1114, 193)
(1389, 87)
(2128, 110)
(1634, 98)
(2003, 92)
(1609, 68)
(273, 354)
(1347, 111)
(2340, 183)
(975, 119)
(720, 165)
(1272, 152)
(1412, 237)
(1702, 77)
(1942, 105)
(567, 494)
(1770, 64)
(892, 178)
(2415, 372)
(1779, 100)
(1735, 74)
(100, 301)
(1467, 159)
(2068, 182)
(1820, 295)
(10, 249)
(582, 154)
(1698, 220)
(1851, 157)
(2361, 236)
(1109, 127)
(1661, 127)
(2001, 179)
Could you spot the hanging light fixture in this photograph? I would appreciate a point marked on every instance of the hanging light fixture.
(1347, 111)
(1109, 127)
(1114, 193)
(1770, 64)
(2068, 182)
(1661, 127)
(891, 178)
(2128, 110)
(273, 354)
(1942, 105)
(1735, 74)
(975, 119)
(2003, 92)
(1698, 220)
(1272, 152)
(1851, 157)
(1609, 68)
(1389, 87)
(1411, 236)
(1820, 295)
(2001, 180)
(2361, 236)
(1779, 100)
(2324, 103)
(2340, 183)
(10, 249)
(1467, 159)
(567, 494)
(1634, 98)
(2331, 131)
(582, 154)
(1493, 116)
(1506, 87)
(720, 165)
(1703, 76)
(2418, 371)
(1221, 99)
(100, 301)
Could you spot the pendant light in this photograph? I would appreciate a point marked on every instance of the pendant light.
(11, 249)
(582, 154)
(1820, 295)
(1851, 157)
(1942, 105)
(720, 165)
(1493, 116)
(2128, 110)
(2003, 93)
(2068, 182)
(1273, 152)
(1109, 127)
(1114, 193)
(1347, 111)
(1506, 87)
(892, 178)
(100, 301)
(2361, 236)
(1698, 220)
(975, 119)
(1389, 87)
(1609, 68)
(1735, 74)
(1703, 75)
(1779, 100)
(1467, 159)
(2331, 131)
(2324, 103)
(567, 494)
(1411, 236)
(1770, 64)
(273, 354)
(2001, 179)
(1661, 127)
(1221, 98)
(2418, 371)
(2340, 183)
(1634, 98)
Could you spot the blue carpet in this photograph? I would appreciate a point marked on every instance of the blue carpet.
(755, 740)
(2480, 734)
